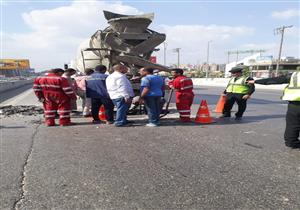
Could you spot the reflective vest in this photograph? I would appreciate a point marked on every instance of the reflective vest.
(292, 91)
(237, 86)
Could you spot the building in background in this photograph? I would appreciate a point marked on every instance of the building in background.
(15, 68)
(265, 66)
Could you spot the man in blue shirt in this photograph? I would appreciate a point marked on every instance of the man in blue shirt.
(152, 87)
(96, 90)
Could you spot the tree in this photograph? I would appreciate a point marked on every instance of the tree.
(246, 71)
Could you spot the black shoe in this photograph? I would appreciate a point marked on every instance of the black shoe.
(129, 121)
(296, 146)
(123, 125)
(96, 122)
(238, 118)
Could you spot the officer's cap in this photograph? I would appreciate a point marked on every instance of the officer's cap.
(236, 69)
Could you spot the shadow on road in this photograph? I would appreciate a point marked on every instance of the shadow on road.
(213, 99)
(247, 119)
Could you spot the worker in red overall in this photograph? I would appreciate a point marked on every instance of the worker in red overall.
(183, 87)
(55, 93)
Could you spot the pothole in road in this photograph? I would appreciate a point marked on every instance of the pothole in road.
(23, 110)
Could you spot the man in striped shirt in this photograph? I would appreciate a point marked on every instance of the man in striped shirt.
(55, 93)
(183, 87)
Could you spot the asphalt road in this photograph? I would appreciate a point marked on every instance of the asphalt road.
(225, 165)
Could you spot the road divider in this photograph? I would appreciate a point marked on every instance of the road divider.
(222, 82)
(10, 85)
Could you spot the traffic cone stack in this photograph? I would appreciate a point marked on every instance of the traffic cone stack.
(101, 113)
(203, 116)
(220, 104)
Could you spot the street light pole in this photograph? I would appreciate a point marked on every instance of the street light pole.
(228, 57)
(165, 53)
(178, 55)
(207, 60)
(280, 31)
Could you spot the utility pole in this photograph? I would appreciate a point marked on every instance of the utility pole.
(207, 60)
(177, 50)
(228, 57)
(165, 53)
(280, 30)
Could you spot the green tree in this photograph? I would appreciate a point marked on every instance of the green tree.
(246, 71)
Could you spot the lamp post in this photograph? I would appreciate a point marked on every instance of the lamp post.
(270, 70)
(207, 60)
(177, 50)
(165, 53)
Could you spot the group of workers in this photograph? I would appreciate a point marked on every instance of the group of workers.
(96, 88)
(57, 91)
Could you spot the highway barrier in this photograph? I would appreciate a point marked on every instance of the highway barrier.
(10, 85)
(222, 82)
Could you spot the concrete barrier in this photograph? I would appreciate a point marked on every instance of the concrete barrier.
(222, 82)
(10, 85)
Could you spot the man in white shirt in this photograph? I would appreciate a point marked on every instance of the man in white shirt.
(121, 93)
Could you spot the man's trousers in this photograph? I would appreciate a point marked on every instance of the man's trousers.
(63, 109)
(291, 135)
(231, 98)
(184, 102)
(108, 105)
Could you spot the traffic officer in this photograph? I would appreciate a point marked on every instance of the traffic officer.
(292, 95)
(96, 90)
(183, 87)
(238, 90)
(55, 93)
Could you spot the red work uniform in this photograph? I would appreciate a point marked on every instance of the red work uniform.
(56, 94)
(184, 96)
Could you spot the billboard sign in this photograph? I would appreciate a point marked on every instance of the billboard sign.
(264, 59)
(14, 64)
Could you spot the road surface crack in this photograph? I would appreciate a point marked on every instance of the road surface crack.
(21, 198)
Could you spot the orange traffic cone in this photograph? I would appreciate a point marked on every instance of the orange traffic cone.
(203, 114)
(220, 105)
(101, 113)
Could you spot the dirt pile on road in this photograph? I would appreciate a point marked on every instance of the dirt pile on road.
(23, 110)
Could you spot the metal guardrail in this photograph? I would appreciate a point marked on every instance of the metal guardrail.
(13, 79)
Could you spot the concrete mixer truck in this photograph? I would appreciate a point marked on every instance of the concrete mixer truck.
(126, 40)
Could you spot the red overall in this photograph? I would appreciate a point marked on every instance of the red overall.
(184, 96)
(56, 94)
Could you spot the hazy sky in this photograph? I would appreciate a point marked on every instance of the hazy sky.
(49, 32)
